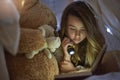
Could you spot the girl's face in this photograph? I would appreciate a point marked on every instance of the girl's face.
(75, 29)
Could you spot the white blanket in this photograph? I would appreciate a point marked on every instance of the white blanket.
(9, 33)
(108, 76)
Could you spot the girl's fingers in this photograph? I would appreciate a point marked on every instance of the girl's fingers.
(66, 41)
(65, 62)
(66, 66)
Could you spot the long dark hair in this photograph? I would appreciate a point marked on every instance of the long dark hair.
(95, 39)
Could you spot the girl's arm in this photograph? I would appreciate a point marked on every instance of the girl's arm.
(66, 65)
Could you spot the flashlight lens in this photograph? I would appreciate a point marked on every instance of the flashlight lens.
(71, 50)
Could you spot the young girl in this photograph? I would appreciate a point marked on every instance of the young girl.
(79, 29)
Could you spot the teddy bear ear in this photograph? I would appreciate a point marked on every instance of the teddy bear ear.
(58, 41)
(42, 30)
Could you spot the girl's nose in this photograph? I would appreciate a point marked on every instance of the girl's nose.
(77, 35)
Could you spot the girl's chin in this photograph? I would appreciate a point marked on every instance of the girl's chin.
(76, 42)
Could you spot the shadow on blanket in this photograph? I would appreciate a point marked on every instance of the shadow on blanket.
(108, 76)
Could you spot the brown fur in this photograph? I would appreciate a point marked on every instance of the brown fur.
(40, 67)
(30, 40)
(34, 14)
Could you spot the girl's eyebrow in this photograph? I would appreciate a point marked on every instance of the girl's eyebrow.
(75, 26)
(71, 25)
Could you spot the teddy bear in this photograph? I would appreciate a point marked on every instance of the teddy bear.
(29, 44)
(52, 42)
(42, 65)
(45, 42)
(40, 14)
(33, 14)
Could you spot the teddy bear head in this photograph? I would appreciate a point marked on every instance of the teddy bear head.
(52, 40)
(53, 43)
(44, 38)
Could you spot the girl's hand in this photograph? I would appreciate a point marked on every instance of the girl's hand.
(65, 43)
(66, 66)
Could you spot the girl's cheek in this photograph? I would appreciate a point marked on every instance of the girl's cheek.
(72, 35)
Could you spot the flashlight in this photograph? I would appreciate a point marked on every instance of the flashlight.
(71, 50)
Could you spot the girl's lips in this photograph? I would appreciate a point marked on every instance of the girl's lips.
(76, 41)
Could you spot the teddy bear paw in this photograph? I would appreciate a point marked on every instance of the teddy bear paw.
(48, 53)
(31, 55)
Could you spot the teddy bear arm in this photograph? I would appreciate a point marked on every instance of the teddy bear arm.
(31, 55)
(48, 53)
(34, 52)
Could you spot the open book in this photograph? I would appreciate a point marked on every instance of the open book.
(86, 71)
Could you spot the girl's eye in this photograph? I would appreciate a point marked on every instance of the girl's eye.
(83, 31)
(72, 29)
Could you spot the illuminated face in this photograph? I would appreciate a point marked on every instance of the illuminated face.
(75, 29)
